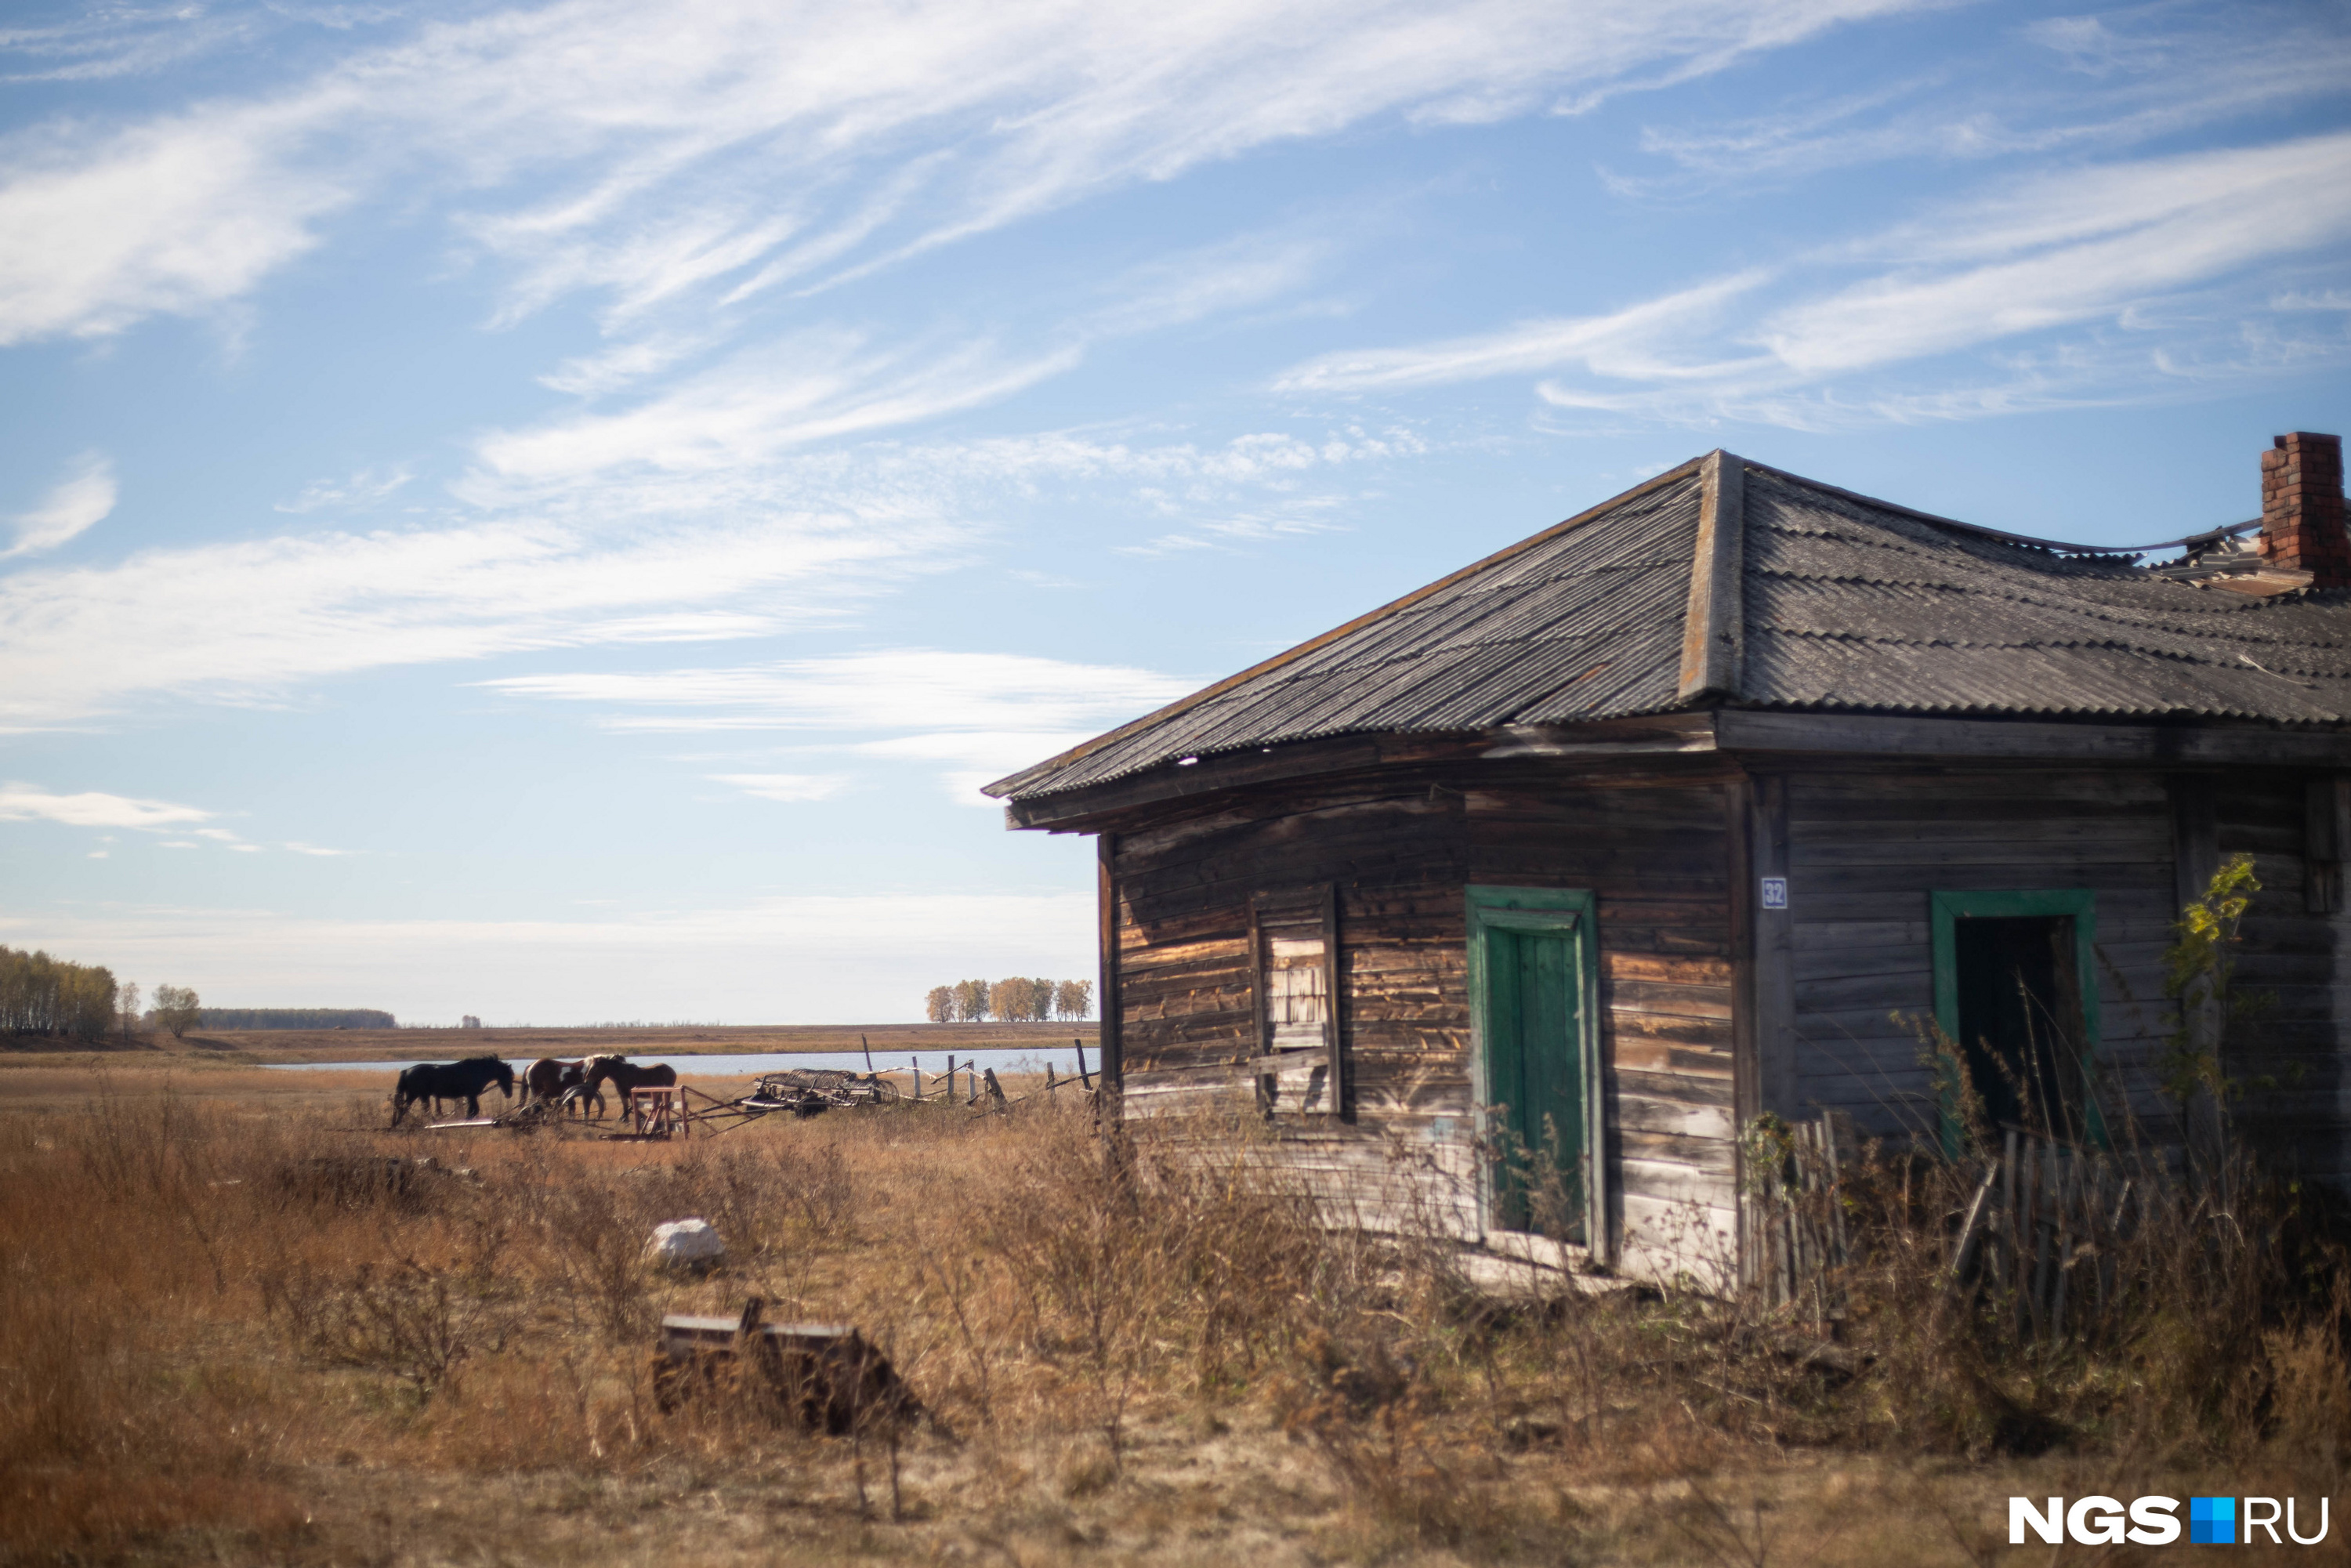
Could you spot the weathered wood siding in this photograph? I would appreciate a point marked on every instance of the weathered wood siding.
(1401, 1134)
(1192, 1026)
(1655, 857)
(1866, 849)
(2298, 1103)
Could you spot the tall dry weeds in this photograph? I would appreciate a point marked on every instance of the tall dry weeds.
(195, 1304)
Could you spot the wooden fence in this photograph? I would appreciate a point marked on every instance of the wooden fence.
(2054, 1237)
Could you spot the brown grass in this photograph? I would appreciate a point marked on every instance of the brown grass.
(231, 1332)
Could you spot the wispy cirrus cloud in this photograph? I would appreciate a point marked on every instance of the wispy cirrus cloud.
(363, 488)
(2067, 249)
(79, 501)
(2089, 83)
(975, 716)
(899, 688)
(720, 142)
(2167, 269)
(789, 789)
(94, 808)
(638, 543)
(808, 387)
(254, 621)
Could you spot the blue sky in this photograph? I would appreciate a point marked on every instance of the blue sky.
(549, 512)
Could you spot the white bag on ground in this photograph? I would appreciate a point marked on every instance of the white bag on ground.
(684, 1244)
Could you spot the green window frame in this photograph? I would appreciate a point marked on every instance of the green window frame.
(1948, 909)
(1569, 912)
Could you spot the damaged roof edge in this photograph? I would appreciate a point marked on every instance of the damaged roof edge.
(1714, 659)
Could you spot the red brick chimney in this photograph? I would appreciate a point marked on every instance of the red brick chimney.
(2302, 508)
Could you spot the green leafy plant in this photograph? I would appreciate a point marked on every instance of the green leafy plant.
(2199, 971)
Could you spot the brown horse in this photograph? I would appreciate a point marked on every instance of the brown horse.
(546, 1079)
(625, 1075)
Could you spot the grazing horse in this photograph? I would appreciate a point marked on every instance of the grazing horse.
(624, 1075)
(439, 1081)
(548, 1080)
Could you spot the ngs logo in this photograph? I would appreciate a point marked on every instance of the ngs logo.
(2155, 1521)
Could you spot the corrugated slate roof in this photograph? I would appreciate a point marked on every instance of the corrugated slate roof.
(1848, 605)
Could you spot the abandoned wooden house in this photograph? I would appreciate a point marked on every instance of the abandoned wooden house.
(1699, 805)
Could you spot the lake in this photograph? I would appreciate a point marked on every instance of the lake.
(1064, 1060)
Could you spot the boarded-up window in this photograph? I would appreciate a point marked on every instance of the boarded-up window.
(1294, 972)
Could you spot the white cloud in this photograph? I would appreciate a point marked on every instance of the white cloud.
(93, 809)
(2069, 247)
(630, 360)
(2166, 269)
(2058, 84)
(79, 501)
(790, 788)
(578, 547)
(306, 850)
(983, 715)
(118, 41)
(907, 689)
(363, 487)
(173, 216)
(249, 619)
(808, 387)
(701, 138)
(1626, 342)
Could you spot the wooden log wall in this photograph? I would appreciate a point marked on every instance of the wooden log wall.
(1399, 855)
(1193, 893)
(1865, 850)
(2291, 953)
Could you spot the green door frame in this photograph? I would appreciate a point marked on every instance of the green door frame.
(1949, 908)
(1570, 913)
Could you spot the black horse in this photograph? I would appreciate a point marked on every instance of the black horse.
(451, 1080)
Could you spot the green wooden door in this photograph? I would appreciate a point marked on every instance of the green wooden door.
(1532, 1029)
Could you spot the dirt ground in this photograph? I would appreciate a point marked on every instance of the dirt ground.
(160, 1402)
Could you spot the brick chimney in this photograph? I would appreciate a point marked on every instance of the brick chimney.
(2302, 508)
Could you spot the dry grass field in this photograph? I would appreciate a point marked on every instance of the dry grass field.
(240, 1324)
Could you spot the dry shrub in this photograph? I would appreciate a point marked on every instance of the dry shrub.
(418, 1324)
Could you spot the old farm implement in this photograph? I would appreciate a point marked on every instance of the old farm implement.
(683, 1111)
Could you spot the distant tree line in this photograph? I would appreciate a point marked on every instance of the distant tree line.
(295, 1017)
(1019, 1000)
(41, 995)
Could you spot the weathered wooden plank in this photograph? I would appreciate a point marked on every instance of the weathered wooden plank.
(1696, 1001)
(1616, 964)
(1676, 1181)
(1656, 1114)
